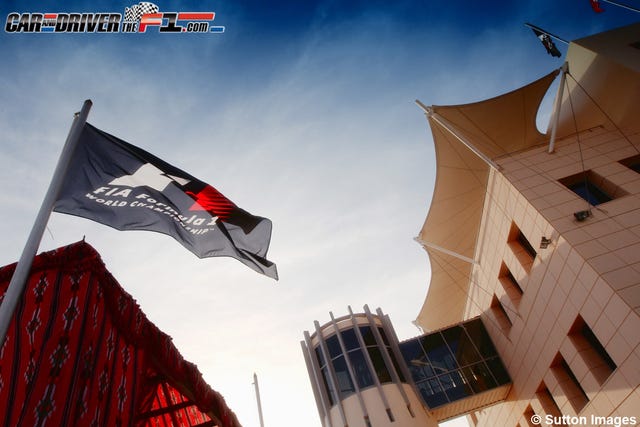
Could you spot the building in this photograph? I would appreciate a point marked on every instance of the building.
(79, 351)
(538, 236)
(362, 376)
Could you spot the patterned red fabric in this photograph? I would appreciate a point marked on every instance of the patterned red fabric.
(80, 352)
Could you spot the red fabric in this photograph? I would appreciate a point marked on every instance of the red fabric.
(80, 352)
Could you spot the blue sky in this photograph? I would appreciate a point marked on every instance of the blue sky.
(301, 112)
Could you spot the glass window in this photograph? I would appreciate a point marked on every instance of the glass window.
(499, 372)
(590, 192)
(461, 346)
(327, 386)
(350, 339)
(334, 346)
(479, 377)
(360, 369)
(395, 365)
(384, 336)
(455, 385)
(378, 365)
(416, 360)
(441, 358)
(367, 336)
(592, 187)
(432, 393)
(454, 364)
(480, 337)
(345, 385)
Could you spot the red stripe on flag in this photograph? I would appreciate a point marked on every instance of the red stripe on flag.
(207, 16)
(211, 200)
(595, 5)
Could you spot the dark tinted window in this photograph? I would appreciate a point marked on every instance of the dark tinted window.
(416, 360)
(378, 365)
(499, 372)
(455, 386)
(592, 187)
(454, 363)
(360, 369)
(367, 335)
(384, 336)
(432, 393)
(461, 346)
(342, 375)
(590, 192)
(350, 339)
(441, 358)
(479, 377)
(327, 385)
(334, 346)
(476, 329)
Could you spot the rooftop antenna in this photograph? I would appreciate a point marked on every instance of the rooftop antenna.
(255, 383)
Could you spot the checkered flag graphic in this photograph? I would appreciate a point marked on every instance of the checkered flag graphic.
(135, 12)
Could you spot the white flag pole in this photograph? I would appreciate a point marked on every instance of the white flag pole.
(21, 274)
(622, 5)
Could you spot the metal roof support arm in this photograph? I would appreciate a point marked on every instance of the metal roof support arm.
(452, 130)
(445, 251)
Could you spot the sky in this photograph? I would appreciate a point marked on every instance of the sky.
(301, 112)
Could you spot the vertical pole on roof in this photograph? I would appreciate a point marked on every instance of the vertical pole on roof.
(557, 106)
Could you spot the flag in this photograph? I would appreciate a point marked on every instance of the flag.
(595, 5)
(117, 184)
(547, 43)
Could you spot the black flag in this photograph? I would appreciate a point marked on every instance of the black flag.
(117, 184)
(547, 43)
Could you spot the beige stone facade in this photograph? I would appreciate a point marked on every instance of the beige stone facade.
(588, 274)
(555, 278)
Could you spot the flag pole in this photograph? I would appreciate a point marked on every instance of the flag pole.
(558, 104)
(21, 274)
(255, 383)
(622, 5)
(533, 27)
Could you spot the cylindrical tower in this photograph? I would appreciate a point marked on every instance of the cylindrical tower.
(355, 375)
